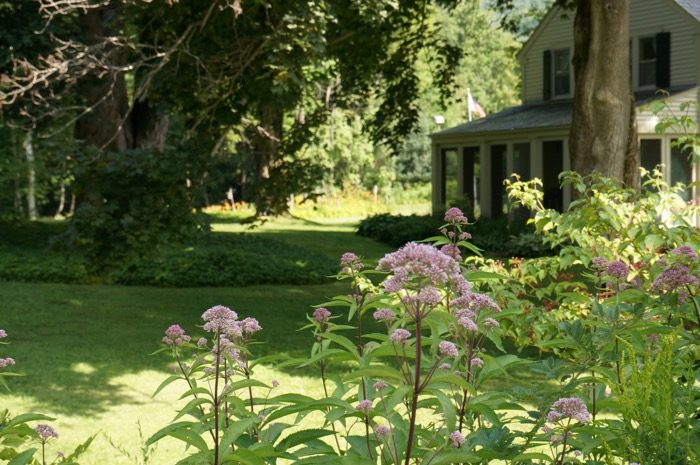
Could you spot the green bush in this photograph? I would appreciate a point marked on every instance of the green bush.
(496, 236)
(216, 259)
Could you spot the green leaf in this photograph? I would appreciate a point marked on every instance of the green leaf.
(170, 379)
(168, 430)
(483, 276)
(301, 437)
(23, 458)
(342, 341)
(244, 456)
(27, 417)
(235, 430)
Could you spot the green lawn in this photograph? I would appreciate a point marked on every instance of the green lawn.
(85, 349)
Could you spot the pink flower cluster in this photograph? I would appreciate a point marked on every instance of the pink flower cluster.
(455, 216)
(322, 315)
(175, 336)
(448, 349)
(6, 362)
(686, 252)
(351, 261)
(3, 334)
(617, 270)
(673, 279)
(381, 431)
(422, 261)
(220, 319)
(569, 407)
(364, 406)
(400, 335)
(457, 439)
(45, 432)
(384, 314)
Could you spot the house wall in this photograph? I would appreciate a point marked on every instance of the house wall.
(647, 17)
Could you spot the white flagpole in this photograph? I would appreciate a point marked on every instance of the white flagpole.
(469, 104)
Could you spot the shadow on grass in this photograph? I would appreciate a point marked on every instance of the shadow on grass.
(71, 342)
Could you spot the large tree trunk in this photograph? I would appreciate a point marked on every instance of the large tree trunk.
(603, 133)
(266, 146)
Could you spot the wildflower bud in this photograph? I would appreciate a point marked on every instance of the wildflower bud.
(445, 366)
(448, 349)
(201, 342)
(3, 334)
(569, 407)
(476, 362)
(400, 335)
(491, 323)
(322, 315)
(45, 432)
(364, 406)
(275, 383)
(455, 216)
(175, 336)
(457, 439)
(381, 431)
(379, 385)
(250, 326)
(6, 362)
(384, 314)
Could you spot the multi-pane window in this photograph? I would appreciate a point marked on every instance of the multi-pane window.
(647, 61)
(561, 72)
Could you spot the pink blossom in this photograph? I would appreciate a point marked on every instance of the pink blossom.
(364, 406)
(617, 270)
(201, 342)
(448, 349)
(400, 335)
(175, 336)
(474, 301)
(451, 250)
(384, 314)
(421, 260)
(3, 334)
(6, 362)
(429, 296)
(685, 251)
(467, 323)
(351, 261)
(457, 438)
(45, 432)
(569, 407)
(476, 362)
(381, 431)
(599, 263)
(250, 326)
(454, 215)
(674, 278)
(275, 383)
(464, 236)
(491, 323)
(322, 315)
(219, 319)
(379, 385)
(445, 366)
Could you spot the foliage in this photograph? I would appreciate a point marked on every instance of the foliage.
(212, 260)
(16, 433)
(496, 236)
(133, 204)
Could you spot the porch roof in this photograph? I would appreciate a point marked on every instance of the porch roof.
(538, 115)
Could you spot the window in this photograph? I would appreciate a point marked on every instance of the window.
(681, 168)
(647, 62)
(553, 164)
(650, 154)
(561, 72)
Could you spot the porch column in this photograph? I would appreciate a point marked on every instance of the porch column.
(438, 188)
(485, 175)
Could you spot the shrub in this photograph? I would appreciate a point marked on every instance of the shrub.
(495, 236)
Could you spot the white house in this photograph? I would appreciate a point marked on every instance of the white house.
(471, 160)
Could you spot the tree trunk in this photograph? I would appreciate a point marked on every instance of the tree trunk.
(149, 126)
(105, 125)
(268, 138)
(31, 176)
(603, 132)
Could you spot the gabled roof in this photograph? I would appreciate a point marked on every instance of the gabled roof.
(540, 115)
(691, 6)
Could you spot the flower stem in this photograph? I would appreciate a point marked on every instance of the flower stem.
(216, 400)
(416, 390)
(325, 391)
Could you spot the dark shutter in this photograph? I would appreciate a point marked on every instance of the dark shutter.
(663, 60)
(547, 74)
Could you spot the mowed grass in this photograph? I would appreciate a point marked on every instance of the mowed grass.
(84, 350)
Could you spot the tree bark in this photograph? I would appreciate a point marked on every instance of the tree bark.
(603, 132)
(31, 176)
(266, 146)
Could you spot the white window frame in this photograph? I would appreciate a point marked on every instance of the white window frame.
(554, 73)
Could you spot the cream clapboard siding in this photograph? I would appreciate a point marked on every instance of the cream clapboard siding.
(647, 17)
(646, 119)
